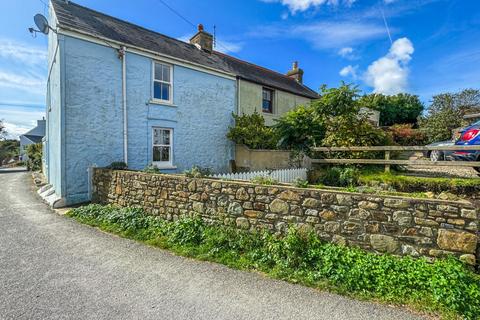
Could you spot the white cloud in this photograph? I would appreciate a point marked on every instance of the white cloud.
(325, 34)
(347, 53)
(303, 5)
(389, 74)
(32, 83)
(22, 52)
(18, 119)
(349, 71)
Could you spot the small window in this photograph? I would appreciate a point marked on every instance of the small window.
(162, 147)
(162, 82)
(267, 100)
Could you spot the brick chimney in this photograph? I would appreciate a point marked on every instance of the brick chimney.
(203, 39)
(296, 73)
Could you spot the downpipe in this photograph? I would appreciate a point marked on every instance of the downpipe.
(122, 54)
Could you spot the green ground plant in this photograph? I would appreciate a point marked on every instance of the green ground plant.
(198, 172)
(445, 286)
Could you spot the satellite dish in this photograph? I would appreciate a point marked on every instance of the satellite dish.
(42, 23)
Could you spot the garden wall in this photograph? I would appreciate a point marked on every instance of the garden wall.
(401, 226)
(255, 160)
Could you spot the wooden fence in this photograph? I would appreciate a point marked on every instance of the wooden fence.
(388, 149)
(284, 175)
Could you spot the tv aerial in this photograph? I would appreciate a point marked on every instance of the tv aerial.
(42, 25)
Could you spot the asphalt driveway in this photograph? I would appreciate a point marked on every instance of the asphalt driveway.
(54, 268)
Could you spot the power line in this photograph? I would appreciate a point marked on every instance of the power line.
(177, 13)
(216, 42)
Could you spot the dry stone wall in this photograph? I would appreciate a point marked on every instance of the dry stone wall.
(401, 226)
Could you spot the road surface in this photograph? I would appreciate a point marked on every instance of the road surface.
(51, 267)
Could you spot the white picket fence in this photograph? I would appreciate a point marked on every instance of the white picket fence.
(283, 175)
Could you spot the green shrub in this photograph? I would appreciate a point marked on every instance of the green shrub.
(265, 180)
(151, 169)
(250, 130)
(340, 177)
(117, 165)
(198, 172)
(406, 135)
(300, 129)
(300, 183)
(300, 256)
(34, 153)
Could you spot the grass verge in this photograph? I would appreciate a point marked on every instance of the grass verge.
(445, 287)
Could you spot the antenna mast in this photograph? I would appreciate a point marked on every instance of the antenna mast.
(214, 36)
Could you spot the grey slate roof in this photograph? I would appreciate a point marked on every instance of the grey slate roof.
(83, 19)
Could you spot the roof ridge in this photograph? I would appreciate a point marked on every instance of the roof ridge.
(255, 65)
(125, 21)
(265, 69)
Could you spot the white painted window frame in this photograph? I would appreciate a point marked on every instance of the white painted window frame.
(170, 93)
(163, 164)
(274, 94)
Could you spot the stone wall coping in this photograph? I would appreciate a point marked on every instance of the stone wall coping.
(288, 187)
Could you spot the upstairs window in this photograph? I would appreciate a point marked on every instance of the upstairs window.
(267, 100)
(162, 82)
(162, 147)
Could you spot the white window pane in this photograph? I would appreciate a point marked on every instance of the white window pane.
(158, 71)
(165, 137)
(165, 92)
(157, 90)
(161, 154)
(166, 73)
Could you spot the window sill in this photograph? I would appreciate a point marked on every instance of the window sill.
(162, 103)
(165, 166)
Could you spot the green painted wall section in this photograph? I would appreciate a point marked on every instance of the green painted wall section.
(250, 100)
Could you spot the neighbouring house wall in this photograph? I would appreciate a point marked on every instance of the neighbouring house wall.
(54, 168)
(200, 115)
(386, 224)
(253, 160)
(250, 100)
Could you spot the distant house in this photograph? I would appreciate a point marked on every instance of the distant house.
(31, 137)
(120, 92)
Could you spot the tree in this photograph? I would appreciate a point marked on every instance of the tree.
(300, 129)
(332, 120)
(446, 112)
(402, 108)
(8, 149)
(3, 132)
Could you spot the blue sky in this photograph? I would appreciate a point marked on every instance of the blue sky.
(434, 44)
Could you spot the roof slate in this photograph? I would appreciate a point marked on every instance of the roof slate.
(76, 17)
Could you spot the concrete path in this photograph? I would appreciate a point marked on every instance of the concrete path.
(54, 268)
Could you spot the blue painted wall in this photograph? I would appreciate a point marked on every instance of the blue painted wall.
(93, 115)
(55, 111)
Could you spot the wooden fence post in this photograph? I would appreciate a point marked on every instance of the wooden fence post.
(387, 157)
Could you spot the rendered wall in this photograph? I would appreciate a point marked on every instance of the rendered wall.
(200, 116)
(385, 224)
(254, 160)
(54, 169)
(250, 100)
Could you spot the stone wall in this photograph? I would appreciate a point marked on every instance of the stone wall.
(401, 226)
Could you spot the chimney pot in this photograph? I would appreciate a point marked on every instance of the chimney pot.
(296, 73)
(203, 39)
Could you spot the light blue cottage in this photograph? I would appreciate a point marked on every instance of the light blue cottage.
(120, 92)
(109, 101)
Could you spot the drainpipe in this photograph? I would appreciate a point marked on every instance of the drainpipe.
(123, 56)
